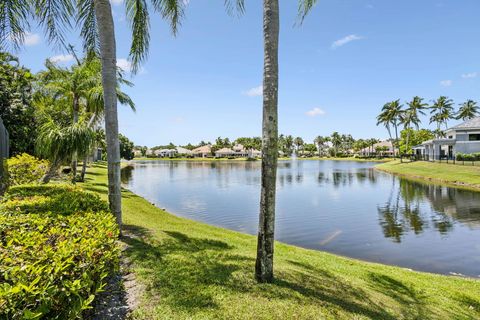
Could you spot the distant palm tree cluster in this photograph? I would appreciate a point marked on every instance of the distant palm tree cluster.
(394, 116)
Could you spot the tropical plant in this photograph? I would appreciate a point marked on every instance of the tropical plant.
(336, 140)
(95, 19)
(390, 116)
(298, 142)
(410, 117)
(58, 144)
(16, 109)
(321, 143)
(25, 169)
(441, 111)
(264, 261)
(468, 110)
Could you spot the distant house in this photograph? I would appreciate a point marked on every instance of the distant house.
(165, 153)
(462, 138)
(224, 153)
(203, 151)
(384, 148)
(137, 153)
(184, 151)
(238, 151)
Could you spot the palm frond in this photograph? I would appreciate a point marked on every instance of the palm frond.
(235, 7)
(13, 22)
(304, 7)
(137, 14)
(87, 22)
(55, 17)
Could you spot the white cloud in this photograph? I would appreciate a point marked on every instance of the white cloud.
(446, 83)
(31, 39)
(343, 41)
(124, 64)
(315, 112)
(116, 2)
(61, 58)
(254, 92)
(469, 75)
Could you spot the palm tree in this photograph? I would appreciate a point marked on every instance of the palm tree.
(320, 143)
(467, 111)
(97, 30)
(410, 116)
(441, 111)
(336, 140)
(390, 116)
(298, 141)
(57, 143)
(264, 261)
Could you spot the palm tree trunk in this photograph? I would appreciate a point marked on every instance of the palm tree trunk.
(106, 32)
(396, 141)
(76, 110)
(266, 228)
(52, 170)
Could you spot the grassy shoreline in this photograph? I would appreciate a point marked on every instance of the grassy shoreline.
(455, 175)
(192, 270)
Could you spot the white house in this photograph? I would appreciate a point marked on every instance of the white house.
(184, 151)
(224, 153)
(203, 151)
(164, 153)
(375, 149)
(462, 138)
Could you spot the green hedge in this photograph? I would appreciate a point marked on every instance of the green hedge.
(468, 156)
(25, 168)
(57, 246)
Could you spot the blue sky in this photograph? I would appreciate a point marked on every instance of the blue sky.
(336, 70)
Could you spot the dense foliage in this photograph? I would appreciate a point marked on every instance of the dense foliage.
(57, 246)
(468, 157)
(126, 147)
(413, 138)
(16, 108)
(25, 169)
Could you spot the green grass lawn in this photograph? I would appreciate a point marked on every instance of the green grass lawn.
(453, 174)
(191, 270)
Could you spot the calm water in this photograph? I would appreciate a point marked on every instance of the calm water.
(342, 207)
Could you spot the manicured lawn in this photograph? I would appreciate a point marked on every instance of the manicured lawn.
(458, 174)
(195, 271)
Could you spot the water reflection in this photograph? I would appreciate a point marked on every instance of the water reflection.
(338, 206)
(404, 211)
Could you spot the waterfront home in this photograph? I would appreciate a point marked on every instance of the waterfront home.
(462, 138)
(203, 151)
(137, 153)
(384, 148)
(184, 151)
(224, 152)
(164, 153)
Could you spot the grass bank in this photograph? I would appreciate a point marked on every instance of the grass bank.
(195, 271)
(450, 174)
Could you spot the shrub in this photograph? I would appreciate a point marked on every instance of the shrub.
(25, 168)
(53, 262)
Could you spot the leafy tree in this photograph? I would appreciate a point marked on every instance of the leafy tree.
(16, 109)
(413, 137)
(126, 147)
(468, 110)
(298, 142)
(336, 140)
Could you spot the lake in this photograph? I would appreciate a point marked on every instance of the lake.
(343, 207)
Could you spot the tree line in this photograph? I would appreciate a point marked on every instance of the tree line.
(395, 116)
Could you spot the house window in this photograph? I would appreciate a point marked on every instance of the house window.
(450, 137)
(474, 137)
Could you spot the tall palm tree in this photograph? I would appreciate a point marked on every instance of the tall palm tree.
(298, 141)
(97, 30)
(320, 141)
(411, 116)
(271, 24)
(390, 116)
(441, 111)
(336, 140)
(468, 110)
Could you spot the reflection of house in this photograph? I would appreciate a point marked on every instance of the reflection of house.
(163, 153)
(384, 148)
(203, 151)
(184, 151)
(462, 138)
